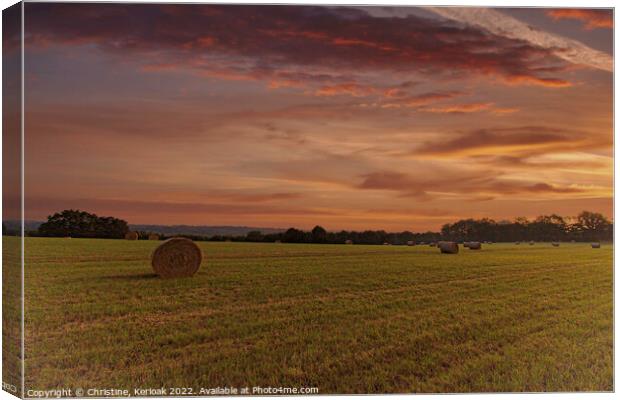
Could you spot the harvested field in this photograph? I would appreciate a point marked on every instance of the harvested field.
(345, 319)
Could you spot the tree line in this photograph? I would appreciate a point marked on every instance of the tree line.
(587, 226)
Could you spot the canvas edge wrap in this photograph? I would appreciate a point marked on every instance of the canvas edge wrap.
(12, 201)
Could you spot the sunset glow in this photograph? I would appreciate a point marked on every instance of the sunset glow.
(349, 117)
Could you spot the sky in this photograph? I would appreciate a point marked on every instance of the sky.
(395, 118)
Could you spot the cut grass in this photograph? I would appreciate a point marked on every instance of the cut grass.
(345, 319)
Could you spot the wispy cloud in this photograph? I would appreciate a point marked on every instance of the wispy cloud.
(516, 140)
(409, 185)
(501, 24)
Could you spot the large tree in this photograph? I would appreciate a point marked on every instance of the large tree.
(81, 224)
(593, 226)
(319, 234)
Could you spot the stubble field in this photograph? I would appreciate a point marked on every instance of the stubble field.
(344, 319)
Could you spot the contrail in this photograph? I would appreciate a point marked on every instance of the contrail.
(501, 24)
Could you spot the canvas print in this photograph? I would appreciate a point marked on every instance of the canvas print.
(209, 199)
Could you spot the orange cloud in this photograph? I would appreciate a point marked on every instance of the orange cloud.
(592, 19)
(535, 80)
(285, 83)
(394, 93)
(351, 89)
(359, 42)
(200, 43)
(420, 99)
(505, 111)
(460, 108)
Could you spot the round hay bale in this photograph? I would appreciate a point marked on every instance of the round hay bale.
(348, 241)
(448, 247)
(531, 243)
(153, 236)
(131, 235)
(466, 244)
(517, 243)
(555, 244)
(595, 245)
(410, 243)
(176, 258)
(475, 245)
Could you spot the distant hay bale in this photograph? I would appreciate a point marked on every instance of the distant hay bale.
(475, 246)
(386, 244)
(176, 258)
(131, 235)
(348, 241)
(448, 247)
(555, 244)
(466, 244)
(278, 241)
(531, 243)
(517, 243)
(410, 243)
(595, 245)
(153, 236)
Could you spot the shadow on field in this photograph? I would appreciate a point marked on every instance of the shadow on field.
(132, 277)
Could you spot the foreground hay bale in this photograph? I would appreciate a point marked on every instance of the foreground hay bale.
(448, 247)
(131, 235)
(475, 246)
(153, 236)
(176, 258)
(555, 244)
(595, 245)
